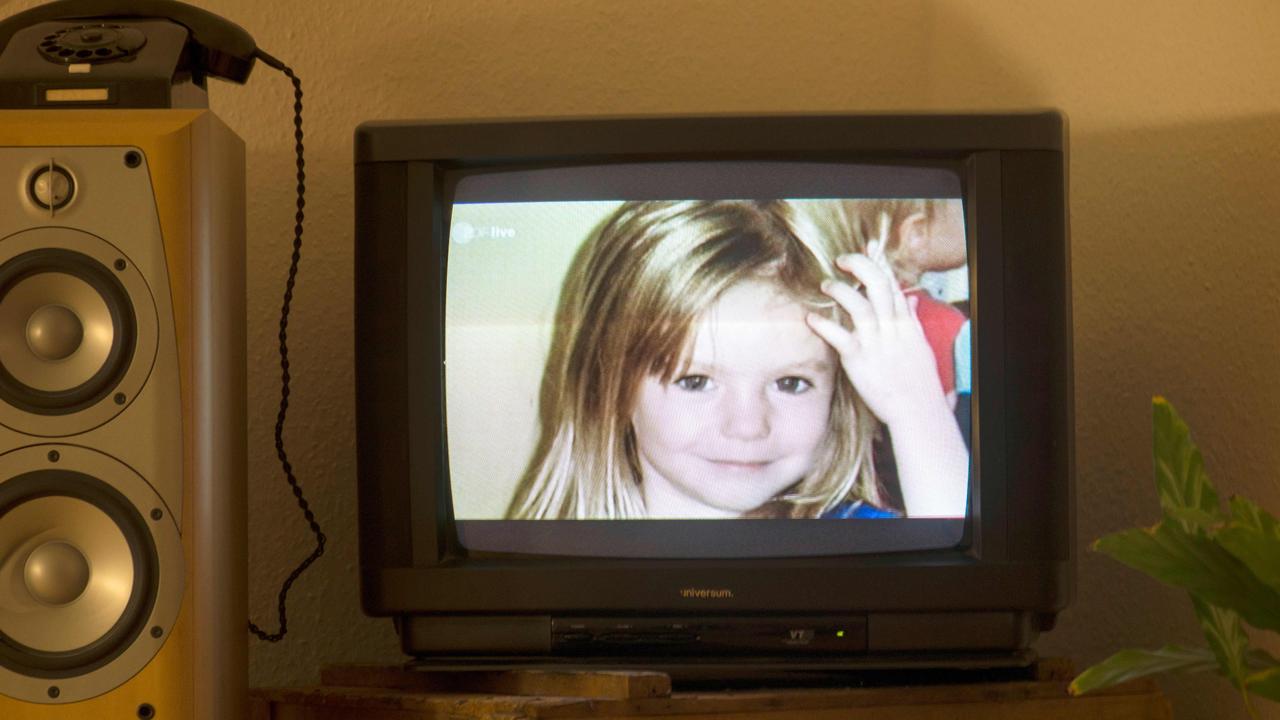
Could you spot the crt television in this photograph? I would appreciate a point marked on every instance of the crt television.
(691, 390)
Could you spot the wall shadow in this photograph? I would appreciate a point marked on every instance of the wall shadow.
(1176, 277)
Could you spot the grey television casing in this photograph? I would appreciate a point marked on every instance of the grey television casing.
(982, 602)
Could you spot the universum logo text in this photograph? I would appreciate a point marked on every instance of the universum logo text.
(704, 594)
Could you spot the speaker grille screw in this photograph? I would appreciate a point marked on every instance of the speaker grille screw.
(157, 513)
(120, 265)
(157, 631)
(133, 158)
(54, 456)
(146, 712)
(120, 398)
(54, 691)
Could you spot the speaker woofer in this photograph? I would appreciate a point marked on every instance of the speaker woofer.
(78, 331)
(90, 562)
(67, 328)
(55, 520)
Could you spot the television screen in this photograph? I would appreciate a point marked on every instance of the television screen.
(636, 351)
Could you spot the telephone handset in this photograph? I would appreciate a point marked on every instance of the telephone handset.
(151, 54)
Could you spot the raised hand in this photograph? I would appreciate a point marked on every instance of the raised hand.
(888, 360)
(886, 356)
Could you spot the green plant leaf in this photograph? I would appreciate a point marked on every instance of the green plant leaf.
(1180, 477)
(1193, 518)
(1253, 536)
(1226, 638)
(1265, 684)
(1130, 664)
(1199, 565)
(1260, 553)
(1249, 515)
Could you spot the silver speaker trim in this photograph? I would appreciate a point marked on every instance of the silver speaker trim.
(144, 310)
(171, 568)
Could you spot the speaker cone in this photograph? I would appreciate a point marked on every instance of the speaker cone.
(67, 330)
(90, 573)
(77, 331)
(79, 577)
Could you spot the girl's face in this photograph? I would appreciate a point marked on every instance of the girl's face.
(745, 420)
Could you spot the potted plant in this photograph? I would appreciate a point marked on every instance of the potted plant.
(1227, 560)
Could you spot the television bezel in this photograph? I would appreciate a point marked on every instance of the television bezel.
(1019, 552)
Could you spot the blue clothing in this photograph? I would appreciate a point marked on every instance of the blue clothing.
(857, 510)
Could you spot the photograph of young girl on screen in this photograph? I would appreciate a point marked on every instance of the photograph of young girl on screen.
(727, 359)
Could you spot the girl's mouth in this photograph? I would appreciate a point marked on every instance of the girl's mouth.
(744, 465)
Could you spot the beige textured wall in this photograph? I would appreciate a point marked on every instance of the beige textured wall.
(1175, 192)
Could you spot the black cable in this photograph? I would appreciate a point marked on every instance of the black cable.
(284, 360)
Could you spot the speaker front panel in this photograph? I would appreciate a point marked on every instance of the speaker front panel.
(93, 578)
(78, 331)
(122, 553)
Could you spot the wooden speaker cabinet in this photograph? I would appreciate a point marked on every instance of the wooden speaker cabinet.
(122, 415)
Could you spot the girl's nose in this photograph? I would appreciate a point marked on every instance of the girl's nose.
(744, 415)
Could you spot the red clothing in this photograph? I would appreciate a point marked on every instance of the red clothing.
(941, 324)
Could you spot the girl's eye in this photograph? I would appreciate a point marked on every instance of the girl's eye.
(793, 385)
(693, 382)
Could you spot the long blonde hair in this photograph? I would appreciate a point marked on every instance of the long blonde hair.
(627, 311)
(851, 225)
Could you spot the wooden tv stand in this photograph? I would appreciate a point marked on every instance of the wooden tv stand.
(387, 693)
